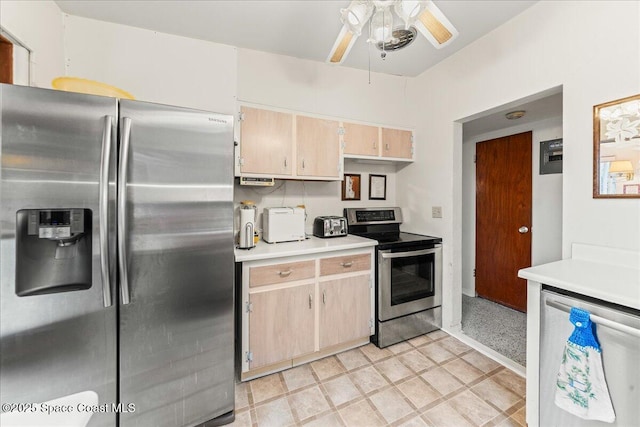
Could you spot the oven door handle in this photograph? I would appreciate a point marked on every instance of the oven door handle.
(407, 254)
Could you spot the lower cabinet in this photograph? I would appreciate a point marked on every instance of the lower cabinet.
(298, 309)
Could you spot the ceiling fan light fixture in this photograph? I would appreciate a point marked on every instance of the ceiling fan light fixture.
(381, 26)
(356, 15)
(409, 10)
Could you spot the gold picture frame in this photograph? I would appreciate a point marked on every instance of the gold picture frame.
(616, 148)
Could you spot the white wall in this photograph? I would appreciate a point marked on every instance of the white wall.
(153, 66)
(37, 26)
(552, 43)
(546, 212)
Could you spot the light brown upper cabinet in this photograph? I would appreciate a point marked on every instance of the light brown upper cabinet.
(318, 147)
(397, 143)
(272, 142)
(266, 142)
(362, 140)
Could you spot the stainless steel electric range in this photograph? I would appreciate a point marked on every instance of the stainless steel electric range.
(408, 275)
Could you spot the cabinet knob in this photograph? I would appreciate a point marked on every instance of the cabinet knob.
(386, 147)
(285, 162)
(347, 264)
(310, 300)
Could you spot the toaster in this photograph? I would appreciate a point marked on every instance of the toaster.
(329, 226)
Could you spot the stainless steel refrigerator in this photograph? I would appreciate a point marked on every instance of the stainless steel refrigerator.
(116, 257)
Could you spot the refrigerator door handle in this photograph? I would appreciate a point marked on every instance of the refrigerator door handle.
(122, 208)
(105, 166)
(630, 330)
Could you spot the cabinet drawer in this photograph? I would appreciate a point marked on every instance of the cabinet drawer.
(281, 273)
(345, 264)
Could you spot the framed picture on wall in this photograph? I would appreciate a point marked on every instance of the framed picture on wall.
(377, 187)
(351, 187)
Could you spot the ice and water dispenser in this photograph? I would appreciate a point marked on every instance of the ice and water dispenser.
(53, 251)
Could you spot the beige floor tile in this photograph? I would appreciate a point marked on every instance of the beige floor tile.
(298, 377)
(276, 414)
(400, 347)
(418, 392)
(242, 396)
(420, 340)
(391, 404)
(441, 380)
(330, 420)
(454, 345)
(416, 361)
(520, 416)
(393, 369)
(341, 390)
(415, 422)
(243, 419)
(327, 367)
(309, 402)
(266, 388)
(368, 379)
(353, 359)
(463, 371)
(495, 394)
(509, 422)
(473, 407)
(444, 415)
(374, 353)
(435, 335)
(436, 353)
(480, 361)
(511, 380)
(360, 414)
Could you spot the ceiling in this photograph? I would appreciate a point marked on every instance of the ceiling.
(300, 28)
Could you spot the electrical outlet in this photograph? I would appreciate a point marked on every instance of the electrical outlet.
(436, 211)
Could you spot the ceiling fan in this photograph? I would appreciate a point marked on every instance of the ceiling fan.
(423, 16)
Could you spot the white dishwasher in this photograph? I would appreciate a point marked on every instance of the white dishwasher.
(617, 331)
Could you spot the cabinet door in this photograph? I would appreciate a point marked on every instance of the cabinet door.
(345, 310)
(362, 140)
(397, 143)
(266, 142)
(281, 324)
(318, 145)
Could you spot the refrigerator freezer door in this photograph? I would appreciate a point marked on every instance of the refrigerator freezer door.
(62, 342)
(176, 332)
(620, 355)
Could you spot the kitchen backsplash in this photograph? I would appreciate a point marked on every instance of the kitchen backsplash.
(318, 197)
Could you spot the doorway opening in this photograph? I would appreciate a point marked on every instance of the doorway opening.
(499, 240)
(14, 60)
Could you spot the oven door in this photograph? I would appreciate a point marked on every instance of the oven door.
(409, 281)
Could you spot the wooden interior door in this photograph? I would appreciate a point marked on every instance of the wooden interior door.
(345, 310)
(6, 61)
(503, 218)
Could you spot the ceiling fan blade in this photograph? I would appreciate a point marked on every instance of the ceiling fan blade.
(342, 46)
(435, 26)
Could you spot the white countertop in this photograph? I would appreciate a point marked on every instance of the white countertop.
(619, 284)
(264, 250)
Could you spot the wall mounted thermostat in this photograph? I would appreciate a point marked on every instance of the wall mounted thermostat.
(551, 156)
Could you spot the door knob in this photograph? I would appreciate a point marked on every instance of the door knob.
(524, 229)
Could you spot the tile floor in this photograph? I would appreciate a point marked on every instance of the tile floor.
(432, 380)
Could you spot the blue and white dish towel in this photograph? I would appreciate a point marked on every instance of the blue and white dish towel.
(581, 388)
